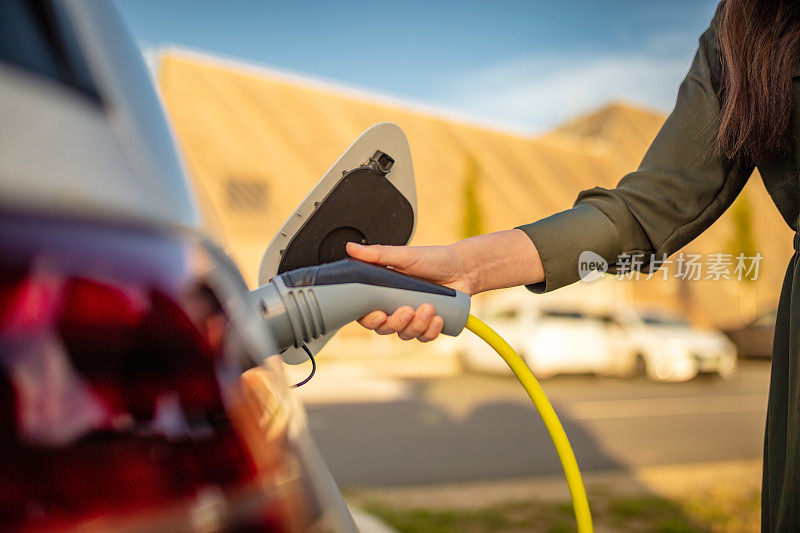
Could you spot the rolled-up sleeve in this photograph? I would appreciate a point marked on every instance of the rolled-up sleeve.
(681, 187)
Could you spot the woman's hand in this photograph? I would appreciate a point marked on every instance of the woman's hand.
(477, 264)
(439, 264)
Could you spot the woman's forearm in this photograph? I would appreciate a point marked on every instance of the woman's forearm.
(478, 264)
(498, 260)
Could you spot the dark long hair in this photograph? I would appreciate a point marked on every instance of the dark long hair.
(760, 45)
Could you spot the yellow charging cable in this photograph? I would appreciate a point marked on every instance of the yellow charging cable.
(549, 417)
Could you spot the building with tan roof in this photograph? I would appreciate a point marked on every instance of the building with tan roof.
(255, 141)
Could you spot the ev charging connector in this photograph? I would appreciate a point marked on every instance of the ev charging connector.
(304, 304)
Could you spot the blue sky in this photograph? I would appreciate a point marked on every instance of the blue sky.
(523, 64)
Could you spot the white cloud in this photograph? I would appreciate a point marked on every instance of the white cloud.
(538, 91)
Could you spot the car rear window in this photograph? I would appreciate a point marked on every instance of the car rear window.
(35, 35)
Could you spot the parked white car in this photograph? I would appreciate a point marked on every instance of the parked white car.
(668, 348)
(620, 343)
(554, 342)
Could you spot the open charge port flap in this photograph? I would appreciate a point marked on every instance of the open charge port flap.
(363, 207)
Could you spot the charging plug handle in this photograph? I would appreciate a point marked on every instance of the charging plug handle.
(303, 304)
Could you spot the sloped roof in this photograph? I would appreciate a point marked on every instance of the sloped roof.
(256, 141)
(619, 127)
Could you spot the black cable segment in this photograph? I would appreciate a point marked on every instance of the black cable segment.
(313, 368)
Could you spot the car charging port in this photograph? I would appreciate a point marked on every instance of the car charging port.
(381, 162)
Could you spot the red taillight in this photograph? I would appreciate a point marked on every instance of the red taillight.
(121, 397)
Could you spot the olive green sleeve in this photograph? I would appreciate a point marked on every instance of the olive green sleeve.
(681, 187)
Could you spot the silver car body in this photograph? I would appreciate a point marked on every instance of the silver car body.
(109, 154)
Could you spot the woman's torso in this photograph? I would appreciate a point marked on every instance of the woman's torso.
(780, 174)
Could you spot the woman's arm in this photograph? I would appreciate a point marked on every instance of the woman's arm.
(681, 187)
(494, 261)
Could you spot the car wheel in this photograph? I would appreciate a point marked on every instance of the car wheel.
(639, 366)
(672, 370)
(727, 367)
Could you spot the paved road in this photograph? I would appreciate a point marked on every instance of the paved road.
(470, 427)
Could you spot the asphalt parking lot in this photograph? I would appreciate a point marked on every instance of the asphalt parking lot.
(384, 431)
